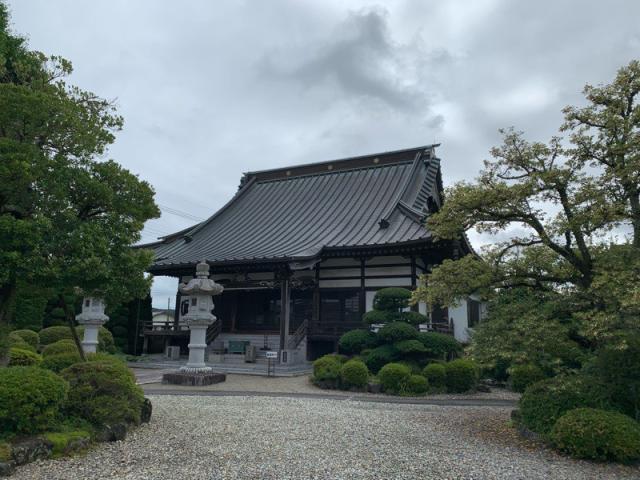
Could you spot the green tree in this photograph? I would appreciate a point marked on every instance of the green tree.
(67, 220)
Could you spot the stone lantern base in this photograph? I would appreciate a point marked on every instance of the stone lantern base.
(193, 379)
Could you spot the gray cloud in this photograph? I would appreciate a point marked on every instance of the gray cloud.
(213, 89)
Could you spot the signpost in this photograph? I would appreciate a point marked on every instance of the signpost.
(272, 357)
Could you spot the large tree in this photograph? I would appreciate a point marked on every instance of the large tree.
(566, 212)
(67, 217)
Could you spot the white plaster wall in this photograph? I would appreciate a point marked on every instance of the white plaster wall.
(340, 272)
(339, 262)
(404, 270)
(339, 283)
(458, 314)
(388, 282)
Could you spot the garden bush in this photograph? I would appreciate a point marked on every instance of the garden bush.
(327, 368)
(30, 399)
(439, 345)
(436, 374)
(103, 393)
(392, 299)
(16, 341)
(373, 317)
(61, 346)
(53, 334)
(24, 358)
(355, 341)
(410, 347)
(354, 373)
(597, 435)
(397, 331)
(544, 402)
(393, 376)
(380, 356)
(29, 336)
(414, 318)
(413, 366)
(415, 385)
(521, 376)
(461, 375)
(57, 363)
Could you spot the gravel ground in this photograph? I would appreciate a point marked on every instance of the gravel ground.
(267, 438)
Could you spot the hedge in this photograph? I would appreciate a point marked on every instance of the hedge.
(415, 385)
(461, 375)
(439, 345)
(392, 299)
(436, 374)
(521, 376)
(327, 368)
(30, 399)
(397, 331)
(57, 363)
(29, 336)
(355, 341)
(380, 356)
(61, 346)
(53, 334)
(393, 376)
(16, 341)
(24, 358)
(410, 347)
(354, 373)
(597, 435)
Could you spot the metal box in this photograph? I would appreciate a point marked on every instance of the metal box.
(250, 354)
(172, 352)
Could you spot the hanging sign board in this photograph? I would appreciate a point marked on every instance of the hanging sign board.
(271, 354)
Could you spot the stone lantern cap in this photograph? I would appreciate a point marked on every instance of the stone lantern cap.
(202, 284)
(92, 312)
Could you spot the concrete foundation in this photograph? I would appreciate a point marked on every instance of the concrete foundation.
(193, 379)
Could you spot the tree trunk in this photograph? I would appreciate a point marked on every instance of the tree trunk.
(7, 295)
(70, 320)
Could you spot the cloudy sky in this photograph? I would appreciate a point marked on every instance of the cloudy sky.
(210, 90)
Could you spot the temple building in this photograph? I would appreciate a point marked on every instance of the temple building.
(301, 251)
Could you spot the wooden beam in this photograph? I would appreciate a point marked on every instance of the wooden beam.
(285, 295)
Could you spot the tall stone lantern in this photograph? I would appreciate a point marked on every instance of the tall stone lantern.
(92, 317)
(200, 291)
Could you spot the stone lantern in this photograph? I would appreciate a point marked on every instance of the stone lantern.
(198, 318)
(92, 317)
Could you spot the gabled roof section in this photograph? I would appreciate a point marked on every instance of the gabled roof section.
(293, 214)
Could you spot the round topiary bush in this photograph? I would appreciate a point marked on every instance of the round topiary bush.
(354, 374)
(393, 376)
(414, 318)
(415, 385)
(29, 336)
(521, 376)
(103, 393)
(25, 358)
(397, 331)
(544, 402)
(461, 375)
(327, 369)
(355, 341)
(410, 347)
(16, 341)
(57, 363)
(105, 339)
(380, 356)
(392, 299)
(61, 346)
(375, 317)
(597, 435)
(53, 334)
(30, 399)
(436, 374)
(439, 345)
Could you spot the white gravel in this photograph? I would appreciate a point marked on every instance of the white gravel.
(267, 438)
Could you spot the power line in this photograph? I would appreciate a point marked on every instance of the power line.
(180, 213)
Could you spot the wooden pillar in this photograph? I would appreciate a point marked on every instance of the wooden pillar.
(363, 293)
(285, 295)
(414, 279)
(176, 316)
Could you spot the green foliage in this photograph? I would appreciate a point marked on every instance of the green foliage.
(29, 336)
(521, 376)
(410, 347)
(103, 393)
(393, 376)
(413, 318)
(392, 299)
(61, 346)
(355, 341)
(375, 317)
(327, 368)
(354, 373)
(597, 435)
(439, 345)
(415, 385)
(380, 356)
(5, 452)
(436, 374)
(544, 402)
(16, 341)
(25, 358)
(57, 363)
(29, 306)
(30, 399)
(396, 331)
(53, 334)
(62, 441)
(414, 366)
(461, 375)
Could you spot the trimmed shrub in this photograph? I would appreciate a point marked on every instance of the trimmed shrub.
(544, 402)
(373, 317)
(379, 357)
(29, 336)
(436, 374)
(413, 366)
(461, 375)
(25, 358)
(62, 442)
(61, 346)
(393, 376)
(103, 393)
(355, 341)
(414, 318)
(521, 376)
(597, 435)
(354, 373)
(105, 339)
(16, 341)
(415, 385)
(397, 331)
(327, 368)
(410, 347)
(392, 299)
(439, 345)
(30, 399)
(57, 363)
(53, 334)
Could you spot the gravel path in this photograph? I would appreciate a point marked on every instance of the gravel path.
(269, 438)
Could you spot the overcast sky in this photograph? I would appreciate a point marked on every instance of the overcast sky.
(210, 90)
